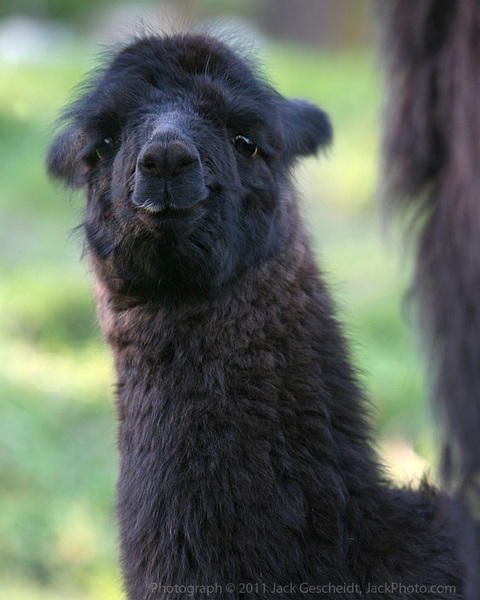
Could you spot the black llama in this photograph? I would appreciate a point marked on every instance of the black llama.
(246, 469)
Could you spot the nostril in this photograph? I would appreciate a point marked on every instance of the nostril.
(181, 164)
(148, 164)
(152, 163)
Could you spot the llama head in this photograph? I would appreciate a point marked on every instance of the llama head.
(184, 153)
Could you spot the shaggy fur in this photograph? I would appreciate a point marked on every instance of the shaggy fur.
(433, 168)
(244, 449)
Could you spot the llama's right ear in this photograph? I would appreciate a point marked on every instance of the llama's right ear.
(64, 160)
(307, 128)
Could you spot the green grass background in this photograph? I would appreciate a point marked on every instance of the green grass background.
(57, 431)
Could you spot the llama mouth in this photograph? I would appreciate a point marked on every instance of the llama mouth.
(162, 212)
(152, 208)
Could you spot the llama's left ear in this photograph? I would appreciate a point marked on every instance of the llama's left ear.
(307, 128)
(64, 160)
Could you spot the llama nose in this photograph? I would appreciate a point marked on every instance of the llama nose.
(167, 160)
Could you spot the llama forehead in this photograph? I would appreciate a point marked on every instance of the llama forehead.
(177, 56)
(188, 70)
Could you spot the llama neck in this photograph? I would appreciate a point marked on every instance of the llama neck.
(233, 407)
(273, 333)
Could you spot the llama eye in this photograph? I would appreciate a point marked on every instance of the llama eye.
(106, 149)
(244, 146)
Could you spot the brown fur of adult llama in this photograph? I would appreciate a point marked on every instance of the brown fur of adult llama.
(432, 174)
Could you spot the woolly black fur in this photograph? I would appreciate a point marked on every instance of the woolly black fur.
(245, 456)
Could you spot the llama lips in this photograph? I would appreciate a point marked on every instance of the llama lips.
(154, 208)
(163, 212)
(160, 198)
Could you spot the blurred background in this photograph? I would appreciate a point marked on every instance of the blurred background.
(57, 424)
